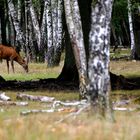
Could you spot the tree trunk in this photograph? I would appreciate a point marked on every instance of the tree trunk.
(133, 51)
(69, 71)
(59, 33)
(19, 33)
(98, 64)
(50, 48)
(3, 22)
(35, 23)
(74, 25)
(137, 33)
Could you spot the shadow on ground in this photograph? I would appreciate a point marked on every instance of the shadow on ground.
(117, 82)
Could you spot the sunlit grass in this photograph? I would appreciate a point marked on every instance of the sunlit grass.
(126, 68)
(36, 71)
(45, 126)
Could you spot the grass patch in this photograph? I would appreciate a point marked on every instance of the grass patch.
(43, 126)
(36, 71)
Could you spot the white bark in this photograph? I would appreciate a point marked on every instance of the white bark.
(50, 48)
(22, 96)
(98, 64)
(59, 33)
(19, 33)
(2, 103)
(19, 10)
(54, 20)
(131, 29)
(73, 20)
(4, 97)
(43, 29)
(35, 24)
(27, 24)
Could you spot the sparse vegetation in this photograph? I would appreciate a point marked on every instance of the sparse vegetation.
(43, 126)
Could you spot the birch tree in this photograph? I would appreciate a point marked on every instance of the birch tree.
(58, 32)
(73, 20)
(50, 48)
(54, 12)
(98, 64)
(95, 87)
(35, 23)
(133, 50)
(19, 33)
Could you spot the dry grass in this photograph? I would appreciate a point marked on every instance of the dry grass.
(83, 127)
(126, 68)
(42, 127)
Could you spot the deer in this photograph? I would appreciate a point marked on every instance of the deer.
(10, 54)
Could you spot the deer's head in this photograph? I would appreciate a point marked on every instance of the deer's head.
(25, 66)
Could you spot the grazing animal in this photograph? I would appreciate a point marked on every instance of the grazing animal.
(10, 54)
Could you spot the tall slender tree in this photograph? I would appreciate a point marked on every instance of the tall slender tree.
(74, 25)
(96, 90)
(98, 64)
(133, 50)
(19, 33)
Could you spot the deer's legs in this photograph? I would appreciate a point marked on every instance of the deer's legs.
(7, 66)
(12, 64)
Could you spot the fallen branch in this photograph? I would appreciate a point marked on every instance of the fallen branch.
(75, 103)
(54, 109)
(2, 103)
(74, 113)
(21, 96)
(35, 111)
(4, 97)
(124, 109)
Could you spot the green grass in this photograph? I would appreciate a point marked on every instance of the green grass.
(36, 71)
(120, 52)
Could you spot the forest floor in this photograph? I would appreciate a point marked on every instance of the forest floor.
(56, 125)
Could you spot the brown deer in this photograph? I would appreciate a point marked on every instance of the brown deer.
(10, 54)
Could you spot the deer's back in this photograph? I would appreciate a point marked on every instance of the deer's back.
(7, 52)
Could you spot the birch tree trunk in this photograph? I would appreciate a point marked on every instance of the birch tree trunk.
(98, 64)
(133, 50)
(50, 48)
(19, 33)
(19, 10)
(27, 26)
(73, 20)
(59, 33)
(43, 28)
(35, 23)
(11, 36)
